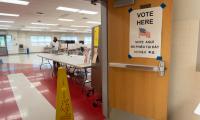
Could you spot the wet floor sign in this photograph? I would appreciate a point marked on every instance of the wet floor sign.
(63, 100)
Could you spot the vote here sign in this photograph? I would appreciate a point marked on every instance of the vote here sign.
(145, 32)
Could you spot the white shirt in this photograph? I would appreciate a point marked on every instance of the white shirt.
(55, 45)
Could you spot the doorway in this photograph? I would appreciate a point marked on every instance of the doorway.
(3, 46)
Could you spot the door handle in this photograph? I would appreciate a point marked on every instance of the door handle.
(160, 68)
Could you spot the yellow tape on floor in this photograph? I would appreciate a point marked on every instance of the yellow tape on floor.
(63, 100)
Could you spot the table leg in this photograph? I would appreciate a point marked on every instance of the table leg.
(50, 64)
(85, 73)
(56, 65)
(41, 64)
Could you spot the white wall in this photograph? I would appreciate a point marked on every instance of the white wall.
(184, 91)
(23, 37)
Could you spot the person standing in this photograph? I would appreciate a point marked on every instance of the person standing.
(55, 45)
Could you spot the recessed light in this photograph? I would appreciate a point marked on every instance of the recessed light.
(8, 14)
(45, 24)
(67, 9)
(80, 26)
(39, 13)
(67, 20)
(93, 22)
(2, 21)
(19, 2)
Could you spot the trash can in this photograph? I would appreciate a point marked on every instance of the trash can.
(27, 51)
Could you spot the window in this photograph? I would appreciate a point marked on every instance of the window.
(40, 40)
(10, 42)
(2, 41)
(69, 38)
(88, 40)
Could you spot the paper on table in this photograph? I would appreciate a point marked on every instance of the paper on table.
(94, 59)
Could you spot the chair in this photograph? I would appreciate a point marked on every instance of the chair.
(83, 73)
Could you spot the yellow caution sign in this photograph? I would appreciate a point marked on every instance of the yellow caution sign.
(63, 100)
(96, 36)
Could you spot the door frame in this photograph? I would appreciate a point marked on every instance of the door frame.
(104, 48)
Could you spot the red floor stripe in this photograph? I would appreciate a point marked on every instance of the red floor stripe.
(82, 105)
(8, 105)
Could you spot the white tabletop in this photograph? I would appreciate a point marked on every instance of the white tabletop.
(73, 60)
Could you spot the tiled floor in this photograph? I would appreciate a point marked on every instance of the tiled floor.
(27, 93)
(22, 58)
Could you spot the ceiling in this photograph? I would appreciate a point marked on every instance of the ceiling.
(28, 14)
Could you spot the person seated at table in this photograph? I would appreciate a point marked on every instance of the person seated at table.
(55, 45)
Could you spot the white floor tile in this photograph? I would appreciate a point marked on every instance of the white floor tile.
(22, 59)
(32, 104)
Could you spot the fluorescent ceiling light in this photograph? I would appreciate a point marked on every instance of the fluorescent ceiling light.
(30, 29)
(34, 27)
(80, 26)
(88, 30)
(45, 24)
(19, 2)
(88, 12)
(76, 10)
(2, 21)
(5, 26)
(67, 29)
(8, 14)
(58, 31)
(67, 9)
(83, 31)
(68, 20)
(26, 29)
(93, 22)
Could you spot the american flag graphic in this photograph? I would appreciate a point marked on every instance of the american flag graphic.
(144, 32)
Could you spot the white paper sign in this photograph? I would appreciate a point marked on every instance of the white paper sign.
(197, 110)
(145, 32)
